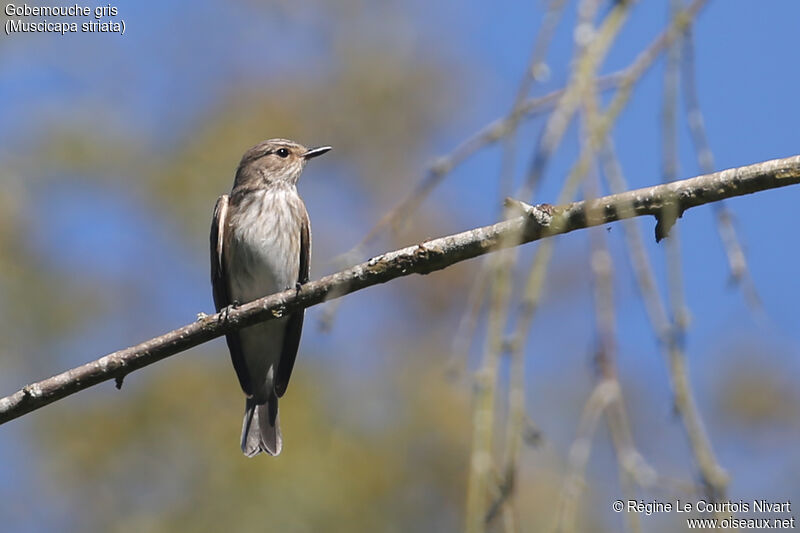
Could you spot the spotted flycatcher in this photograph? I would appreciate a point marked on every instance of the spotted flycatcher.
(260, 245)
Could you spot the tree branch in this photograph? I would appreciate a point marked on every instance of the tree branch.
(534, 223)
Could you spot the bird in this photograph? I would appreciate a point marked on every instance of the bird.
(260, 245)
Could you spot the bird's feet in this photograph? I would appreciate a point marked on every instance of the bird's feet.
(297, 287)
(226, 311)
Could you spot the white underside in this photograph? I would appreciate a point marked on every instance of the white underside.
(262, 258)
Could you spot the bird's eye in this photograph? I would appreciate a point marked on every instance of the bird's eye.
(283, 152)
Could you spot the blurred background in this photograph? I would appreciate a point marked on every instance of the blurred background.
(114, 148)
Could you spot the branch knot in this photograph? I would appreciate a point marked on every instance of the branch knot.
(541, 213)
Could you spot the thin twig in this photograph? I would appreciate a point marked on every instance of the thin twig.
(485, 394)
(604, 393)
(712, 476)
(737, 261)
(633, 470)
(633, 73)
(442, 166)
(536, 70)
(462, 340)
(486, 136)
(582, 80)
(500, 271)
(605, 356)
(662, 326)
(599, 130)
(495, 131)
(642, 269)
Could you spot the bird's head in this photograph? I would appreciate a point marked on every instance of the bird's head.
(275, 161)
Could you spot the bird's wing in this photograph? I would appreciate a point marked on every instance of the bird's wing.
(294, 327)
(219, 286)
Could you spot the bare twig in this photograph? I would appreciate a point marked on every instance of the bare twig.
(598, 132)
(536, 71)
(605, 393)
(633, 73)
(712, 476)
(485, 388)
(498, 129)
(443, 165)
(640, 65)
(462, 340)
(614, 412)
(642, 269)
(486, 136)
(581, 82)
(501, 268)
(605, 356)
(632, 468)
(663, 328)
(737, 261)
(429, 256)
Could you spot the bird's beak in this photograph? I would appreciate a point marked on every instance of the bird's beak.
(314, 152)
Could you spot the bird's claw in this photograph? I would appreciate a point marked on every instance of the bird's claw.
(226, 311)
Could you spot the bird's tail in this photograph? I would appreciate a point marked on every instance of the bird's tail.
(261, 431)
